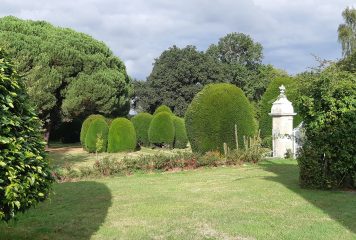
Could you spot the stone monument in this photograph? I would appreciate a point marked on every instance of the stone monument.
(282, 113)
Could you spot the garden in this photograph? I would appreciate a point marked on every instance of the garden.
(86, 152)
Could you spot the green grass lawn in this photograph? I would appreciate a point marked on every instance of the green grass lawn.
(248, 202)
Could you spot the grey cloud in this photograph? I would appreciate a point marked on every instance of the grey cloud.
(138, 31)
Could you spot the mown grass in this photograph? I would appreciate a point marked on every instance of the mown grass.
(260, 201)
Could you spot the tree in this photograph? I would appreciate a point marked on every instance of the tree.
(177, 75)
(347, 31)
(68, 74)
(25, 177)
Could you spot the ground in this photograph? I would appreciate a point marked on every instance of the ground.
(261, 201)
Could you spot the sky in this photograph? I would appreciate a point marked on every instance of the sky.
(291, 32)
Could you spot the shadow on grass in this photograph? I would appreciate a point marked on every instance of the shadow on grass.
(76, 211)
(339, 205)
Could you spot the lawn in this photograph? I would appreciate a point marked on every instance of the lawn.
(260, 201)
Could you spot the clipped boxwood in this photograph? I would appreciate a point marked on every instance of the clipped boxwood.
(25, 176)
(271, 94)
(180, 138)
(122, 136)
(211, 117)
(163, 108)
(161, 131)
(86, 125)
(141, 123)
(98, 127)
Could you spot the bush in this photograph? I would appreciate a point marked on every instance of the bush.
(327, 158)
(163, 108)
(161, 131)
(141, 123)
(86, 125)
(180, 138)
(271, 94)
(122, 136)
(211, 117)
(97, 129)
(25, 178)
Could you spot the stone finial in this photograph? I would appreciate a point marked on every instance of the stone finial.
(282, 90)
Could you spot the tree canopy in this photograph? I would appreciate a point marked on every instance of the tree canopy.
(67, 74)
(347, 31)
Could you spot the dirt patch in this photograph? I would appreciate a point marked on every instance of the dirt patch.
(66, 150)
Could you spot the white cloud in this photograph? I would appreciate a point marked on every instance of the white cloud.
(138, 31)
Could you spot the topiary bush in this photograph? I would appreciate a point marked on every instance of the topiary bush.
(25, 177)
(163, 108)
(161, 131)
(97, 129)
(122, 136)
(86, 125)
(141, 123)
(271, 94)
(180, 138)
(211, 117)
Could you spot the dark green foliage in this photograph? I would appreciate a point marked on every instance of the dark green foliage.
(270, 96)
(177, 75)
(328, 108)
(161, 131)
(211, 117)
(25, 178)
(68, 74)
(122, 136)
(86, 125)
(97, 129)
(141, 123)
(180, 138)
(163, 108)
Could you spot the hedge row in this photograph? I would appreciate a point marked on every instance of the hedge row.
(161, 129)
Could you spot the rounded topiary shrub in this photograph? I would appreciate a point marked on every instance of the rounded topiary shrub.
(180, 138)
(163, 108)
(122, 136)
(86, 125)
(161, 131)
(141, 123)
(97, 132)
(25, 176)
(211, 117)
(271, 94)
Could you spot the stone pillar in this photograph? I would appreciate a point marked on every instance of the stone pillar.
(282, 113)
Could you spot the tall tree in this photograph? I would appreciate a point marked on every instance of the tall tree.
(67, 74)
(347, 31)
(177, 75)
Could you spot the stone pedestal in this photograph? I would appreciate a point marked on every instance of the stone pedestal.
(282, 113)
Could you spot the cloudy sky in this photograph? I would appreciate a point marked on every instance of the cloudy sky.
(291, 31)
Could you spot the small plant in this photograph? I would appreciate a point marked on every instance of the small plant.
(288, 154)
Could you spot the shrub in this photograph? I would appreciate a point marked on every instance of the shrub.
(161, 131)
(180, 138)
(327, 158)
(211, 117)
(122, 136)
(141, 123)
(163, 108)
(86, 125)
(271, 94)
(98, 128)
(25, 178)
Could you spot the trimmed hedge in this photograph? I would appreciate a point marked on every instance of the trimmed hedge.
(25, 176)
(180, 138)
(161, 131)
(271, 94)
(141, 123)
(163, 108)
(86, 125)
(211, 117)
(122, 136)
(98, 127)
